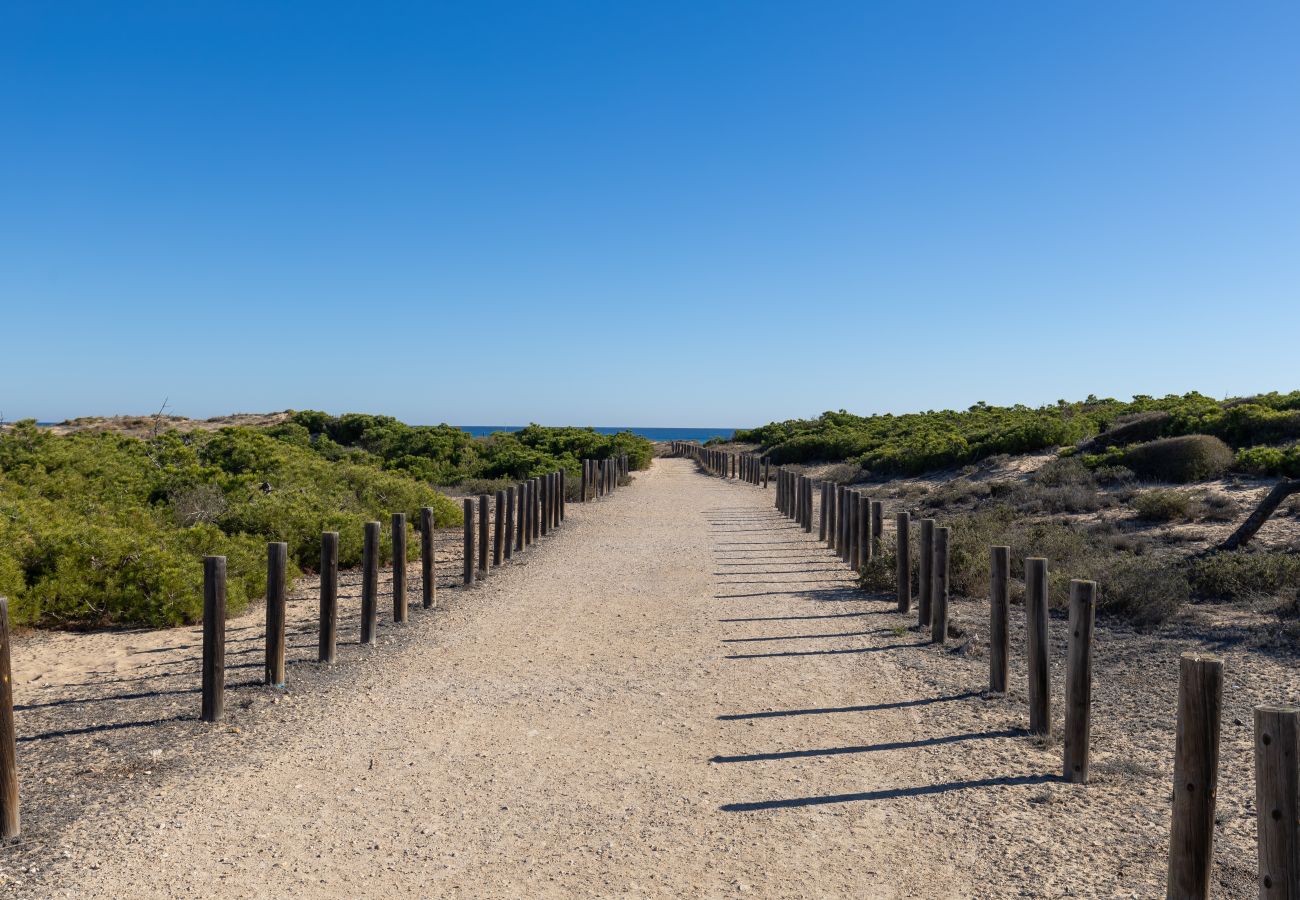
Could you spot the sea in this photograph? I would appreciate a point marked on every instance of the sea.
(654, 434)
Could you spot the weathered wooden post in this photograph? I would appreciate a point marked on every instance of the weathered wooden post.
(841, 520)
(1196, 776)
(1078, 681)
(521, 518)
(545, 500)
(277, 561)
(1277, 800)
(867, 537)
(823, 511)
(214, 638)
(999, 612)
(499, 531)
(469, 541)
(903, 560)
(10, 820)
(370, 582)
(328, 632)
(939, 592)
(877, 528)
(583, 498)
(428, 559)
(509, 544)
(1040, 694)
(563, 493)
(925, 588)
(853, 545)
(400, 605)
(767, 466)
(808, 506)
(484, 535)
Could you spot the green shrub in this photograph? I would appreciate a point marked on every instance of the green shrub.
(1132, 429)
(1284, 461)
(1245, 574)
(1164, 506)
(1195, 457)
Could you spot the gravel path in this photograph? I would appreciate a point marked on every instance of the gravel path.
(679, 694)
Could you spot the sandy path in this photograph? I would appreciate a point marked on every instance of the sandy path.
(582, 724)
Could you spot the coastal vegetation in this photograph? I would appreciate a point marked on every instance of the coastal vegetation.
(103, 529)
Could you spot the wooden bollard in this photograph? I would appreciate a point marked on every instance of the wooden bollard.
(428, 560)
(469, 541)
(1040, 694)
(214, 638)
(823, 511)
(841, 520)
(544, 483)
(521, 503)
(328, 631)
(10, 820)
(808, 506)
(484, 523)
(1196, 776)
(767, 466)
(853, 547)
(499, 532)
(277, 562)
(583, 483)
(1078, 681)
(925, 587)
(903, 560)
(509, 544)
(999, 621)
(370, 582)
(559, 477)
(400, 606)
(867, 537)
(1277, 800)
(877, 529)
(939, 593)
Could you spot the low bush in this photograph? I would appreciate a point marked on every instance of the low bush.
(1194, 457)
(1245, 574)
(1131, 429)
(1284, 461)
(1164, 506)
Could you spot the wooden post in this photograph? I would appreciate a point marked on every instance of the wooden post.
(214, 638)
(853, 548)
(583, 498)
(767, 465)
(1277, 800)
(926, 551)
(536, 512)
(499, 531)
(563, 500)
(328, 632)
(469, 541)
(484, 523)
(808, 505)
(877, 528)
(903, 560)
(521, 505)
(400, 605)
(428, 560)
(1040, 694)
(370, 583)
(842, 520)
(1196, 776)
(829, 497)
(277, 561)
(544, 482)
(867, 536)
(10, 821)
(939, 593)
(509, 545)
(999, 612)
(1078, 681)
(823, 511)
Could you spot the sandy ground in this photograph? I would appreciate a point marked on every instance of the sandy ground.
(678, 694)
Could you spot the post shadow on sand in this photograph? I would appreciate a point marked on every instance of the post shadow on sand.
(870, 707)
(839, 652)
(872, 748)
(805, 637)
(891, 793)
(794, 618)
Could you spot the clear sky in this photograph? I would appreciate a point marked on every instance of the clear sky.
(656, 213)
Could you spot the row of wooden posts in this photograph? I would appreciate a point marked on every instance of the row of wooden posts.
(851, 523)
(524, 512)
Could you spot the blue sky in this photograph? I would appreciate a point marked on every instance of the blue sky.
(661, 213)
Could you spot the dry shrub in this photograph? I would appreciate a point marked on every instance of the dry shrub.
(1193, 457)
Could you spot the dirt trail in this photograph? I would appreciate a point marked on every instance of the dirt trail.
(679, 694)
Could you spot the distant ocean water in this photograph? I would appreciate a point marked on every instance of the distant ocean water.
(654, 434)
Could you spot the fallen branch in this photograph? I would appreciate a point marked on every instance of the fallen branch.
(1256, 520)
